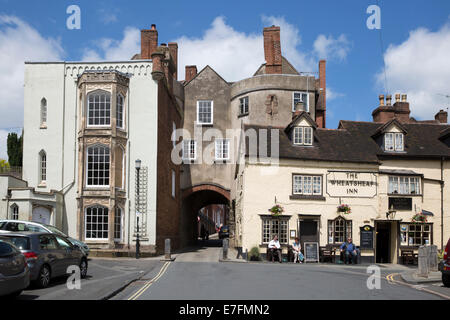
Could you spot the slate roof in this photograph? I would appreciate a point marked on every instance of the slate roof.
(353, 142)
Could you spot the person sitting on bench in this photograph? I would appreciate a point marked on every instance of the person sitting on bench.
(275, 248)
(348, 249)
(296, 249)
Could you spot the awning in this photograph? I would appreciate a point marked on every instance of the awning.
(399, 172)
(427, 213)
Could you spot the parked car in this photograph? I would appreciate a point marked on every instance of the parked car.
(445, 266)
(48, 255)
(19, 226)
(14, 271)
(224, 232)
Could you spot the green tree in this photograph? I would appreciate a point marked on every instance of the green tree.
(14, 150)
(4, 165)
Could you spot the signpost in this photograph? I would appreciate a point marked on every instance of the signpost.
(311, 251)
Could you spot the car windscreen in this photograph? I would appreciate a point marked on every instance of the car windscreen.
(6, 249)
(21, 243)
(55, 230)
(2, 224)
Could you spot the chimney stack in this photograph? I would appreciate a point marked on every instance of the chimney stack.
(383, 113)
(191, 72)
(441, 116)
(401, 109)
(321, 108)
(272, 50)
(173, 49)
(149, 42)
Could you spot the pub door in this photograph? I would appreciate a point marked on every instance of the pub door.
(383, 235)
(308, 231)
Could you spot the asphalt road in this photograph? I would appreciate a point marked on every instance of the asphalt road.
(105, 276)
(197, 275)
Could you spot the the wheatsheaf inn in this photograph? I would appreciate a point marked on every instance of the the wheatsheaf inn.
(381, 183)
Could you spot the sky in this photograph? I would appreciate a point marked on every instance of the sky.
(409, 54)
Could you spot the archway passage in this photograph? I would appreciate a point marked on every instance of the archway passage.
(199, 197)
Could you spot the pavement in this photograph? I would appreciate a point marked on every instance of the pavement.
(411, 276)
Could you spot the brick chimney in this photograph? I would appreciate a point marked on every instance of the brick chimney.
(401, 109)
(272, 50)
(173, 49)
(383, 113)
(322, 110)
(149, 42)
(441, 116)
(191, 72)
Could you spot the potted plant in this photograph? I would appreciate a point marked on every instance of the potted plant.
(254, 254)
(419, 217)
(344, 208)
(276, 210)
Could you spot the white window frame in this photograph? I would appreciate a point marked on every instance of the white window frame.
(244, 105)
(88, 104)
(394, 142)
(120, 224)
(404, 183)
(307, 100)
(43, 113)
(122, 113)
(42, 168)
(14, 212)
(87, 167)
(303, 141)
(399, 142)
(219, 149)
(97, 229)
(304, 184)
(174, 180)
(212, 112)
(192, 143)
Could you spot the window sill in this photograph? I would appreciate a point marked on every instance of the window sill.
(43, 126)
(204, 124)
(42, 185)
(225, 161)
(404, 194)
(243, 115)
(306, 197)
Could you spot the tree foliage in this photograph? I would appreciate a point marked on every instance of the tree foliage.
(14, 150)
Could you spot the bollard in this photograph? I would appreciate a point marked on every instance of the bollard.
(423, 262)
(225, 243)
(167, 250)
(433, 259)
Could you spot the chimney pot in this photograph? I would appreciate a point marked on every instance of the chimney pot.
(381, 97)
(397, 97)
(388, 99)
(441, 116)
(153, 27)
(404, 97)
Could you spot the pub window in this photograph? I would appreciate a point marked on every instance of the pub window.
(393, 142)
(275, 226)
(404, 185)
(307, 185)
(415, 234)
(339, 230)
(243, 106)
(302, 136)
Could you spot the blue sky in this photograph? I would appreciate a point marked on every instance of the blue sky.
(415, 36)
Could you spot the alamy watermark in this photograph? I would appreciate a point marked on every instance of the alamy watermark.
(74, 280)
(374, 280)
(74, 20)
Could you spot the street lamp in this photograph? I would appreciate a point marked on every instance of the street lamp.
(137, 202)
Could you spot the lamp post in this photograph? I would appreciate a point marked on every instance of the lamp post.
(137, 203)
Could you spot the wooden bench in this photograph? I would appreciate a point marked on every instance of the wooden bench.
(327, 253)
(408, 256)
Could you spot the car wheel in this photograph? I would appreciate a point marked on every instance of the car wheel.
(83, 268)
(446, 280)
(43, 279)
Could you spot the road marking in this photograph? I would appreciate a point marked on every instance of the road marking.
(147, 285)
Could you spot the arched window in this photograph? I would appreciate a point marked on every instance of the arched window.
(98, 166)
(119, 111)
(118, 216)
(42, 167)
(15, 212)
(96, 223)
(99, 108)
(339, 230)
(43, 112)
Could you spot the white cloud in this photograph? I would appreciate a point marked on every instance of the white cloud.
(420, 67)
(332, 95)
(107, 16)
(236, 55)
(19, 42)
(332, 49)
(115, 50)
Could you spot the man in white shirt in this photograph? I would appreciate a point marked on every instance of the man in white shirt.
(275, 248)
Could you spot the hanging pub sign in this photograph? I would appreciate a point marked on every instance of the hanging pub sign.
(311, 251)
(366, 237)
(351, 184)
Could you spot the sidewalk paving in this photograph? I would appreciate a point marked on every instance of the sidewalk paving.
(412, 277)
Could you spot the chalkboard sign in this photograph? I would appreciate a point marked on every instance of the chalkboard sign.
(400, 203)
(311, 251)
(366, 240)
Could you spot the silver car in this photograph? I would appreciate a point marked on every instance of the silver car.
(14, 271)
(48, 255)
(19, 226)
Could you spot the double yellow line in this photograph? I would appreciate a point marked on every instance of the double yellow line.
(147, 285)
(390, 278)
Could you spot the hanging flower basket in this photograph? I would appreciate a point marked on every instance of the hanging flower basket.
(419, 217)
(276, 210)
(344, 208)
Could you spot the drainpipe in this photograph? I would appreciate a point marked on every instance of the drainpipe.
(442, 203)
(63, 125)
(128, 158)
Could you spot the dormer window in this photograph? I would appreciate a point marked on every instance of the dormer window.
(302, 136)
(393, 142)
